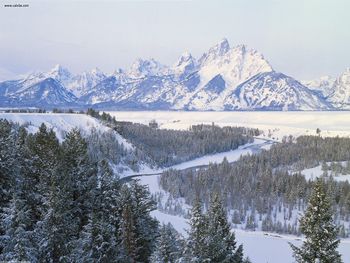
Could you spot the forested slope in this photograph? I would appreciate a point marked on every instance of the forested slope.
(261, 191)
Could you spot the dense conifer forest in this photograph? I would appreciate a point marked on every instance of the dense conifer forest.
(265, 190)
(62, 203)
(165, 147)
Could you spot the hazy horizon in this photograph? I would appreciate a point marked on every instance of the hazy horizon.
(303, 39)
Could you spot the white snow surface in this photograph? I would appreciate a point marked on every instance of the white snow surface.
(231, 156)
(61, 123)
(274, 124)
(316, 172)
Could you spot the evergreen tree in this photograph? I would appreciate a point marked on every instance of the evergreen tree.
(197, 234)
(19, 241)
(127, 229)
(80, 171)
(168, 249)
(98, 242)
(146, 227)
(320, 232)
(19, 217)
(238, 256)
(220, 241)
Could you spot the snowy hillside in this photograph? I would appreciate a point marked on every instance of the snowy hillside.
(275, 91)
(60, 123)
(223, 78)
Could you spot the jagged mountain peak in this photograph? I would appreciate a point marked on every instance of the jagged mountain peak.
(221, 47)
(82, 83)
(235, 65)
(218, 50)
(96, 71)
(59, 70)
(185, 65)
(341, 91)
(146, 67)
(118, 72)
(184, 58)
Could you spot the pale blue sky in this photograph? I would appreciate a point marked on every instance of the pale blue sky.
(302, 38)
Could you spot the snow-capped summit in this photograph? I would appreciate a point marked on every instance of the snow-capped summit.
(60, 74)
(235, 65)
(217, 50)
(341, 91)
(185, 65)
(82, 83)
(143, 68)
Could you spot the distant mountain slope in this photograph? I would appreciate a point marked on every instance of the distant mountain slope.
(323, 85)
(276, 91)
(341, 91)
(45, 93)
(223, 78)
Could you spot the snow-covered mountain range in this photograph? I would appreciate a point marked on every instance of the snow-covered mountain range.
(223, 78)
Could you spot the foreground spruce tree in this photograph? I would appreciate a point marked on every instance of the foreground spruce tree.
(210, 237)
(169, 245)
(320, 232)
(195, 246)
(220, 240)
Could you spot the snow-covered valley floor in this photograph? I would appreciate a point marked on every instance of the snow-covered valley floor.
(278, 124)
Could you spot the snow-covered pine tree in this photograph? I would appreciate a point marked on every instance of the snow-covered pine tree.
(320, 232)
(127, 229)
(75, 162)
(220, 241)
(19, 218)
(68, 202)
(7, 161)
(146, 227)
(98, 240)
(196, 246)
(169, 246)
(19, 242)
(57, 229)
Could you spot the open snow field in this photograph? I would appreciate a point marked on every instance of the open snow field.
(315, 172)
(278, 124)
